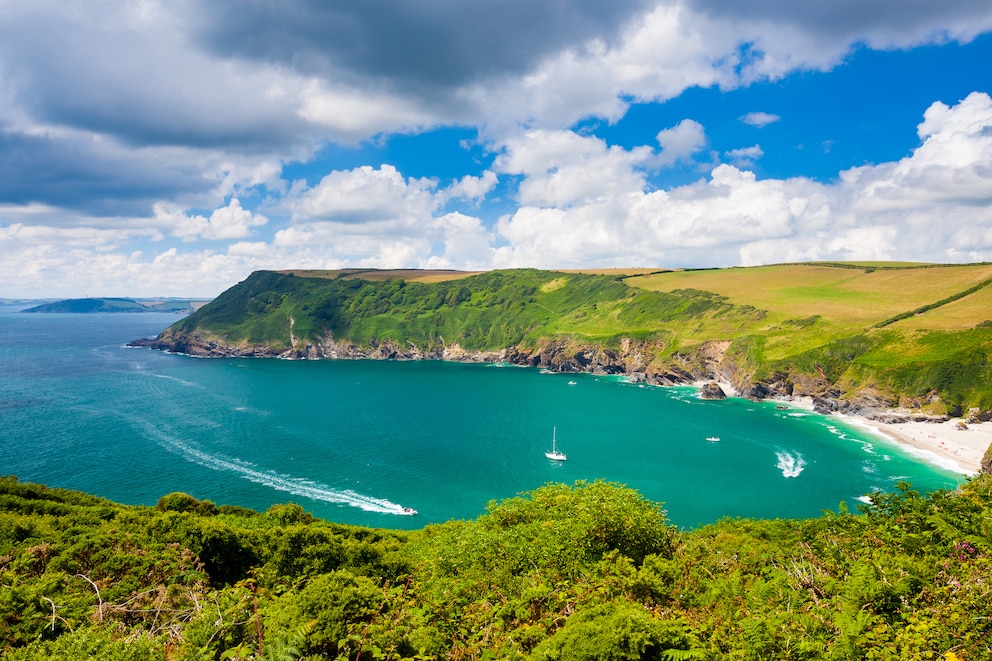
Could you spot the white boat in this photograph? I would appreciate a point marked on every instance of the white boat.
(554, 454)
(712, 439)
(409, 511)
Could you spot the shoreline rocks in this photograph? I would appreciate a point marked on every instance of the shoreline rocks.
(634, 359)
(712, 390)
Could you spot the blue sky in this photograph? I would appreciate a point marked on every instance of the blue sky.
(170, 148)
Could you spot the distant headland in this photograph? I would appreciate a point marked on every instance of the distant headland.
(90, 305)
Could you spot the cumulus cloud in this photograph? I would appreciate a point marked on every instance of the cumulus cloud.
(759, 119)
(680, 142)
(230, 222)
(465, 243)
(563, 168)
(933, 205)
(367, 195)
(745, 156)
(120, 120)
(471, 188)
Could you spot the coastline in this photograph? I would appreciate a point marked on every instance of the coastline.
(955, 444)
(942, 443)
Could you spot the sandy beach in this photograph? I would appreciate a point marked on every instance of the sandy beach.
(956, 445)
(944, 443)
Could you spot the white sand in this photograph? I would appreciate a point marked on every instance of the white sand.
(941, 443)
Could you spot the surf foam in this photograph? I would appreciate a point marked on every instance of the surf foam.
(791, 465)
(294, 485)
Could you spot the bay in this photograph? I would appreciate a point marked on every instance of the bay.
(356, 441)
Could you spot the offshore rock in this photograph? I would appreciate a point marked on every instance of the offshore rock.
(712, 390)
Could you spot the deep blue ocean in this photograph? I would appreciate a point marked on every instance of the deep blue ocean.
(356, 441)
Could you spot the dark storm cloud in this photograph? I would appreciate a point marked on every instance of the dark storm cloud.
(846, 19)
(88, 176)
(143, 87)
(430, 43)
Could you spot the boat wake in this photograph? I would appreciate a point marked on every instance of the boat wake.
(188, 384)
(791, 465)
(294, 485)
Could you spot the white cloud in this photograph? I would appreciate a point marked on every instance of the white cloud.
(350, 115)
(563, 168)
(119, 119)
(759, 119)
(466, 243)
(471, 188)
(745, 156)
(680, 142)
(933, 205)
(103, 240)
(366, 194)
(230, 222)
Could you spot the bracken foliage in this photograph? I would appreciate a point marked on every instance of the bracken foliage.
(588, 571)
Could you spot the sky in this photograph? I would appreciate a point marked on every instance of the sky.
(171, 148)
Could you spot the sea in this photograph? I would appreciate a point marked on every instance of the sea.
(358, 441)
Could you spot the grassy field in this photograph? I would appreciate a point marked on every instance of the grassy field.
(834, 301)
(853, 299)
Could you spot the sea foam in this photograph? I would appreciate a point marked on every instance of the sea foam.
(294, 485)
(791, 465)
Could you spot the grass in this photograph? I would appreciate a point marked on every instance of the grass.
(964, 313)
(852, 298)
(843, 300)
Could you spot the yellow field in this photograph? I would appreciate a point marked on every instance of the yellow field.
(851, 298)
(956, 315)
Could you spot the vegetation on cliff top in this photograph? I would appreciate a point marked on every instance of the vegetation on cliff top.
(916, 334)
(590, 571)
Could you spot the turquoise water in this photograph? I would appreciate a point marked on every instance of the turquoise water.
(356, 441)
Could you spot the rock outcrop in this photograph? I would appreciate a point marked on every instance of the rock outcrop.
(712, 390)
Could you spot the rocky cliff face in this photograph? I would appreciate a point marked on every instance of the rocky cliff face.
(643, 362)
(635, 359)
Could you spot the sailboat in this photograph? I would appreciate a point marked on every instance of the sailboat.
(554, 454)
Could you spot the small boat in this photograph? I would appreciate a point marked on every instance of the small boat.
(554, 454)
(409, 511)
(571, 383)
(712, 439)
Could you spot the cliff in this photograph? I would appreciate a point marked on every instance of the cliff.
(857, 360)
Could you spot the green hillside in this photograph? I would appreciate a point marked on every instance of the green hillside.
(586, 572)
(911, 330)
(919, 335)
